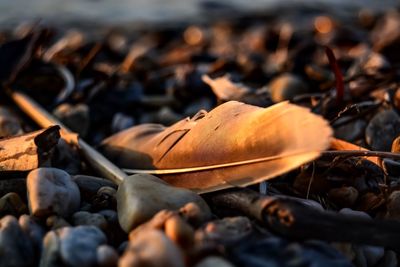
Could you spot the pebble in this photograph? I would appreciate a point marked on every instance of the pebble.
(213, 261)
(151, 248)
(370, 201)
(370, 64)
(75, 117)
(393, 206)
(16, 249)
(344, 196)
(373, 254)
(120, 122)
(193, 214)
(107, 256)
(50, 256)
(157, 222)
(179, 231)
(78, 245)
(66, 158)
(52, 191)
(9, 123)
(274, 251)
(105, 198)
(227, 231)
(389, 259)
(33, 230)
(355, 213)
(141, 196)
(17, 185)
(87, 218)
(89, 185)
(351, 131)
(391, 167)
(286, 87)
(12, 204)
(55, 222)
(382, 129)
(115, 234)
(111, 216)
(72, 246)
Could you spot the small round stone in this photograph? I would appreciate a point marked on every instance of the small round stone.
(151, 248)
(179, 231)
(55, 222)
(344, 196)
(107, 256)
(382, 129)
(286, 87)
(16, 249)
(393, 206)
(52, 191)
(79, 245)
(213, 261)
(12, 204)
(87, 218)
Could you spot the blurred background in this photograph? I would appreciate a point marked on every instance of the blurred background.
(120, 12)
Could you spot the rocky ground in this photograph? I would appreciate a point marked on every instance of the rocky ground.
(61, 204)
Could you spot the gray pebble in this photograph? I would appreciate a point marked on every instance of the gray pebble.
(373, 254)
(75, 117)
(87, 218)
(391, 167)
(141, 196)
(9, 123)
(105, 198)
(355, 213)
(286, 87)
(55, 222)
(389, 259)
(50, 256)
(121, 122)
(107, 256)
(89, 185)
(79, 245)
(382, 129)
(52, 191)
(16, 249)
(12, 204)
(213, 261)
(17, 185)
(351, 131)
(33, 230)
(110, 215)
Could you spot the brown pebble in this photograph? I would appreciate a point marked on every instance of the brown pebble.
(55, 222)
(12, 204)
(193, 214)
(344, 196)
(151, 248)
(179, 231)
(393, 206)
(107, 256)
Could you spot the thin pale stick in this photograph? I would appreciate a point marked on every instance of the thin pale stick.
(45, 119)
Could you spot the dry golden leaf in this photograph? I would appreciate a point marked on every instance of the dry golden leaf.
(233, 145)
(225, 89)
(338, 144)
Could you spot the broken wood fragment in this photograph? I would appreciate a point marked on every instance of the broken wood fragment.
(292, 219)
(29, 151)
